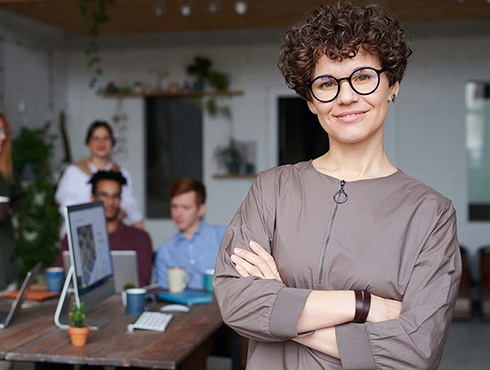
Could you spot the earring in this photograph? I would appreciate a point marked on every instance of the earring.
(393, 98)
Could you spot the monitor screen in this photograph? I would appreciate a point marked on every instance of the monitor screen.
(87, 230)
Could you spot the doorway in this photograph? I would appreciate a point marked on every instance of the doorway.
(301, 136)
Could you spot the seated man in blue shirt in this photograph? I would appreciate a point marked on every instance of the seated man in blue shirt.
(195, 247)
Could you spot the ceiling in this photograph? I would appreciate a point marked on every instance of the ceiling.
(139, 16)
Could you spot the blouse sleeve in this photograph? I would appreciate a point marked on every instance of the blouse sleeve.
(128, 201)
(416, 339)
(261, 309)
(68, 190)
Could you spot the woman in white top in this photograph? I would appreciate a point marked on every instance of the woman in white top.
(74, 188)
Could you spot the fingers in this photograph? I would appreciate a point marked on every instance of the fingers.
(257, 261)
(245, 268)
(267, 257)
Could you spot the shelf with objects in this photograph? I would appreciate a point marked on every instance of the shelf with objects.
(171, 94)
(226, 176)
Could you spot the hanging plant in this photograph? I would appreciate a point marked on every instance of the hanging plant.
(94, 14)
(201, 69)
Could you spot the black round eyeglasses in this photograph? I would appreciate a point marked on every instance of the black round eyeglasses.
(363, 81)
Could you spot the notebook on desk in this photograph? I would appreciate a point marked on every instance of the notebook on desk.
(187, 297)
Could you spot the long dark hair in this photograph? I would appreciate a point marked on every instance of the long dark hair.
(6, 168)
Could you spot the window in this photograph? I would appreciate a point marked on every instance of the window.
(173, 150)
(301, 137)
(478, 149)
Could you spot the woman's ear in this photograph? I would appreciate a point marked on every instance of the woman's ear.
(394, 91)
(312, 107)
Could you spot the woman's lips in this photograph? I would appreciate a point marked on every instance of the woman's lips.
(351, 116)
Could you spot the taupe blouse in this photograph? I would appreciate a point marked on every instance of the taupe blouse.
(393, 236)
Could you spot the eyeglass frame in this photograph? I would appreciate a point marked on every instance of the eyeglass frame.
(349, 79)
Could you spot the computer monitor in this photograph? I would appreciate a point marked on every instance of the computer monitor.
(88, 243)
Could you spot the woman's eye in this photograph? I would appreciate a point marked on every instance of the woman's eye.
(326, 85)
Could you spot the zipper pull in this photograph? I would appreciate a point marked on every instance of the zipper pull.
(340, 197)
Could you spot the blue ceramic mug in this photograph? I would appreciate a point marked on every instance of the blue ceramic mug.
(136, 301)
(54, 277)
(207, 281)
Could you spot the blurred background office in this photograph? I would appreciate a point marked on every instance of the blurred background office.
(191, 89)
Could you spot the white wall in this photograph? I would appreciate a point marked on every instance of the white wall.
(33, 75)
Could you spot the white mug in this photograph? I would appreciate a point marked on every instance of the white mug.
(177, 279)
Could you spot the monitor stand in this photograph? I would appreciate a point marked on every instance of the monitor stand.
(61, 319)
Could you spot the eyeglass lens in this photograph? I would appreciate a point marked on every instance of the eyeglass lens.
(363, 81)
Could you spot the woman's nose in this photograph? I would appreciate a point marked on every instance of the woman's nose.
(346, 94)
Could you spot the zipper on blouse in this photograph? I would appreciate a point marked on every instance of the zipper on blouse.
(340, 197)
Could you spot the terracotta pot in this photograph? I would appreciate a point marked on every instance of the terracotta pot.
(78, 336)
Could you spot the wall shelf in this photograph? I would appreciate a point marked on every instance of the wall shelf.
(176, 94)
(224, 176)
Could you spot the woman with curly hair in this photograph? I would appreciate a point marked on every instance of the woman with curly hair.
(342, 262)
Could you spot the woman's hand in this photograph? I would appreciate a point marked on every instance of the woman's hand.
(383, 309)
(256, 263)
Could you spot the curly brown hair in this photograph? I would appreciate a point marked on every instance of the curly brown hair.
(339, 31)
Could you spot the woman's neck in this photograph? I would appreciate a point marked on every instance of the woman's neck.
(99, 162)
(358, 161)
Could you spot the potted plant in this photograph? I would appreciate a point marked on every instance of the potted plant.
(200, 69)
(229, 157)
(37, 219)
(78, 330)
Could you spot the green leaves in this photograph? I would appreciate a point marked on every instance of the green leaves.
(36, 218)
(94, 14)
(77, 315)
(201, 68)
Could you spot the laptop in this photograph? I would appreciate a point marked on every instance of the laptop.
(125, 268)
(7, 316)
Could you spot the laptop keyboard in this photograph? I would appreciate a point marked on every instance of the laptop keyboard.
(156, 321)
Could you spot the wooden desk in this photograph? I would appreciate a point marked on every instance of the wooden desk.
(28, 326)
(33, 337)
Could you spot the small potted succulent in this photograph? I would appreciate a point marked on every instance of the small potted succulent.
(78, 330)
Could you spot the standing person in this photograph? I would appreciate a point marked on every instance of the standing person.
(196, 245)
(74, 187)
(342, 262)
(107, 186)
(8, 265)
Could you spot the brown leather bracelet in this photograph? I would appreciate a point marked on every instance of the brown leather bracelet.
(366, 305)
(359, 304)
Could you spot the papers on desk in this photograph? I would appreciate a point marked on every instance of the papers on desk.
(187, 297)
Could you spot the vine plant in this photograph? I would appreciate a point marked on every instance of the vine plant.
(94, 14)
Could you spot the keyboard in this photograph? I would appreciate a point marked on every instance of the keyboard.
(156, 321)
